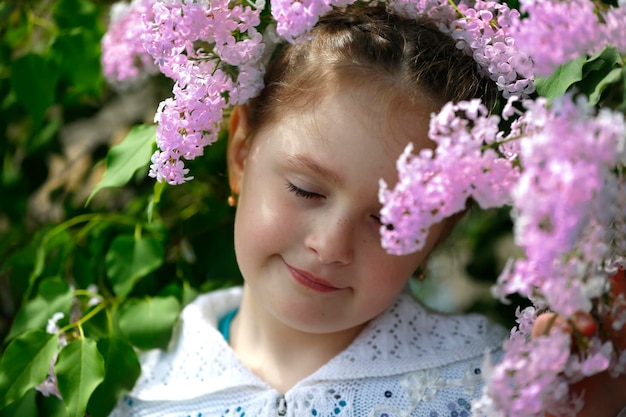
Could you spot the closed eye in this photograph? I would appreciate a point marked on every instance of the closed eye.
(302, 193)
(377, 219)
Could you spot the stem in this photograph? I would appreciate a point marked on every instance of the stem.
(456, 8)
(37, 21)
(84, 218)
(502, 142)
(109, 322)
(86, 293)
(83, 320)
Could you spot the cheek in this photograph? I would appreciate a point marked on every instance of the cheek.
(393, 271)
(263, 222)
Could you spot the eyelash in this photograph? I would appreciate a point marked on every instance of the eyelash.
(308, 194)
(377, 219)
(302, 193)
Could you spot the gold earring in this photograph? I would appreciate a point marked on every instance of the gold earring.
(232, 200)
(420, 273)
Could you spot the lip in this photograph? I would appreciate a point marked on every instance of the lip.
(311, 281)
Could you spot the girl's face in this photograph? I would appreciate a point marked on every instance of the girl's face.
(307, 234)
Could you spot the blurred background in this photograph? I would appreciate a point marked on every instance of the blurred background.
(58, 120)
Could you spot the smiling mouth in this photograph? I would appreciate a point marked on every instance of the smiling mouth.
(310, 281)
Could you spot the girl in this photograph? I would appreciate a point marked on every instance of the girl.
(322, 326)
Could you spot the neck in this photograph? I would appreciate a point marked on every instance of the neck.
(277, 353)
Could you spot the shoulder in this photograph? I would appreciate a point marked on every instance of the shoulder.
(411, 361)
(196, 350)
(408, 337)
(209, 307)
(458, 335)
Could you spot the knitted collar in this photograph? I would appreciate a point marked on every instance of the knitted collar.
(406, 338)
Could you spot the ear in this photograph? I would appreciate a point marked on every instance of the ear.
(237, 150)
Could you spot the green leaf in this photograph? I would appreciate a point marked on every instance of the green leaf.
(70, 14)
(122, 369)
(24, 407)
(561, 79)
(155, 199)
(124, 159)
(25, 364)
(51, 406)
(54, 296)
(78, 60)
(84, 268)
(613, 76)
(51, 255)
(148, 323)
(608, 57)
(129, 259)
(79, 370)
(17, 25)
(34, 81)
(98, 326)
(599, 72)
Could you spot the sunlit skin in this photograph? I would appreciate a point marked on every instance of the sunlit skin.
(307, 232)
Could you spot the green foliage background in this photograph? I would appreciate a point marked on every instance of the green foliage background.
(81, 221)
(144, 256)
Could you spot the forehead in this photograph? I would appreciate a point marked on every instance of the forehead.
(355, 132)
(381, 118)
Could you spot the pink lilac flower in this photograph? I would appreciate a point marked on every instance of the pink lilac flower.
(569, 238)
(482, 32)
(577, 219)
(49, 385)
(573, 23)
(434, 184)
(296, 18)
(529, 378)
(194, 44)
(614, 29)
(124, 61)
(438, 10)
(566, 235)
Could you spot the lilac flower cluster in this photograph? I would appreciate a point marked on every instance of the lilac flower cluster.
(124, 60)
(568, 210)
(614, 29)
(296, 18)
(214, 53)
(428, 190)
(564, 228)
(580, 28)
(535, 374)
(483, 32)
(530, 377)
(437, 10)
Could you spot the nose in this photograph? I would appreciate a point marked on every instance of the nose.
(331, 239)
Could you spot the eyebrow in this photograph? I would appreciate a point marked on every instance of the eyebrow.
(303, 161)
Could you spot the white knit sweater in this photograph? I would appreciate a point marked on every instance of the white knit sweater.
(406, 362)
